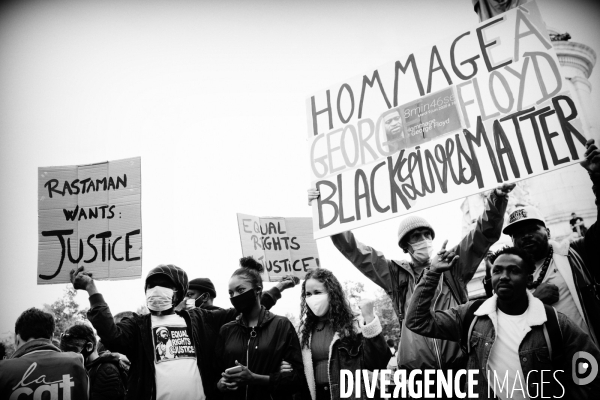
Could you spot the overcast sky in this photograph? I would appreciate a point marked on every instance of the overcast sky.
(211, 95)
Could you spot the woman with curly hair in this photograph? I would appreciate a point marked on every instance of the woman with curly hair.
(251, 348)
(331, 337)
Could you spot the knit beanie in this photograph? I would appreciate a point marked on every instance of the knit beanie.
(177, 276)
(203, 285)
(413, 222)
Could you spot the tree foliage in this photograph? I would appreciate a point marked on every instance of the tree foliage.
(8, 342)
(66, 311)
(387, 316)
(353, 292)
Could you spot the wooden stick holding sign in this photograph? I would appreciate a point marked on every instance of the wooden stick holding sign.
(283, 246)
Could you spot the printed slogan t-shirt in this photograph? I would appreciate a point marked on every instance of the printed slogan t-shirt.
(177, 376)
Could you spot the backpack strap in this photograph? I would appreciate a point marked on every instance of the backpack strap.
(553, 335)
(468, 324)
(455, 290)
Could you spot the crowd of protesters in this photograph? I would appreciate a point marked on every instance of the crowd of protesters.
(540, 314)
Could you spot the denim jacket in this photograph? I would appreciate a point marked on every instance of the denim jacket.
(533, 350)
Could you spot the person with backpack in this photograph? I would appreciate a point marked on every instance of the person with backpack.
(510, 338)
(107, 380)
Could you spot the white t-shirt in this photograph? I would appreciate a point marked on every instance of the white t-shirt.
(565, 303)
(504, 367)
(177, 376)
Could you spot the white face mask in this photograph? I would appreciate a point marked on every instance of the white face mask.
(190, 303)
(318, 304)
(422, 251)
(159, 298)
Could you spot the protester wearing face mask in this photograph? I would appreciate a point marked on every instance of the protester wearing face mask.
(256, 343)
(333, 339)
(171, 352)
(201, 293)
(398, 278)
(106, 380)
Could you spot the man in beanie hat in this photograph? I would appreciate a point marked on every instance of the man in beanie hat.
(398, 277)
(566, 274)
(184, 368)
(201, 293)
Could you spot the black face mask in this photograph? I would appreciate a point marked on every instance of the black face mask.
(244, 302)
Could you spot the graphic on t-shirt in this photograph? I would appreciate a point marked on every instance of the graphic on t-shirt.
(172, 342)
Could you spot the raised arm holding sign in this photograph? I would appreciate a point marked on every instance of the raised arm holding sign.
(398, 277)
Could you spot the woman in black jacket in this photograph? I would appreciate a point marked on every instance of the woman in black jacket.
(251, 348)
(334, 340)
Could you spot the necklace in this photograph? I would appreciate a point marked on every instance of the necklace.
(545, 266)
(323, 327)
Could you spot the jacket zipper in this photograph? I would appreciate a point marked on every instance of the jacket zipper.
(252, 335)
(435, 341)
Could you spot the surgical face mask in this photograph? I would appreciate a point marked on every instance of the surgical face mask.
(159, 298)
(422, 251)
(318, 304)
(190, 303)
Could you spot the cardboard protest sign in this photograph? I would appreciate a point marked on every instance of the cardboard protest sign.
(90, 215)
(282, 245)
(483, 107)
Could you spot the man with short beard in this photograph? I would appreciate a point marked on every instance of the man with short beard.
(508, 340)
(566, 274)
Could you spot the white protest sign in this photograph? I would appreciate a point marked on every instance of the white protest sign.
(483, 107)
(90, 215)
(283, 246)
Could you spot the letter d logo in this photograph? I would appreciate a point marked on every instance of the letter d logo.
(584, 368)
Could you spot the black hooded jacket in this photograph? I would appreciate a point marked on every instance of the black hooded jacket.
(275, 341)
